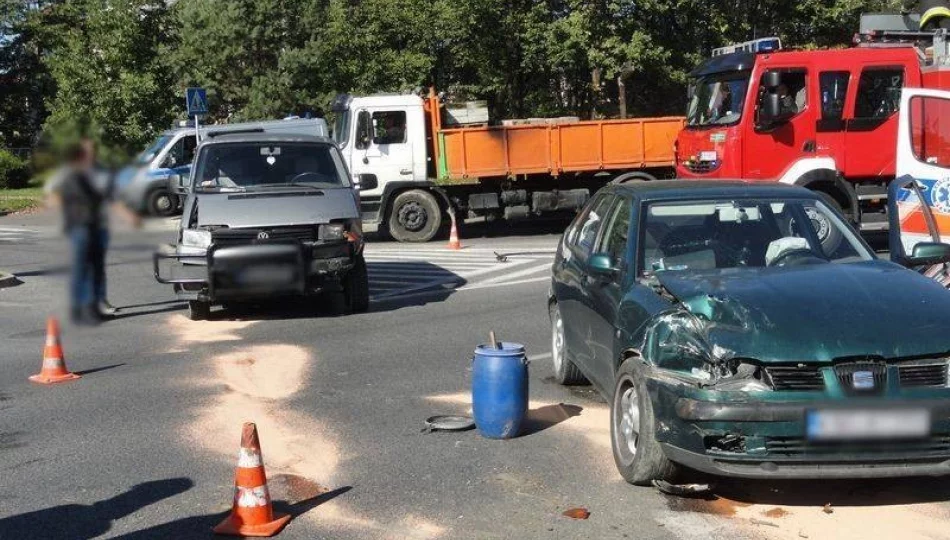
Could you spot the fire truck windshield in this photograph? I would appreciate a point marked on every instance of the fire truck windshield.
(717, 99)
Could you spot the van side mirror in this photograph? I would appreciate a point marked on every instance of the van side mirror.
(368, 182)
(929, 254)
(177, 184)
(364, 130)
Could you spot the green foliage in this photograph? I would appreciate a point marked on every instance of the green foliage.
(14, 172)
(117, 69)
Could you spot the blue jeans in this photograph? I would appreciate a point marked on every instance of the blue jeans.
(87, 284)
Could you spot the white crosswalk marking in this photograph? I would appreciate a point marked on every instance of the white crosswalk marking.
(13, 235)
(401, 270)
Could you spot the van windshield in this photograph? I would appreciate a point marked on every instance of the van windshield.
(249, 166)
(717, 99)
(153, 149)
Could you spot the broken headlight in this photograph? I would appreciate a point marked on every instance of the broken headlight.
(332, 231)
(196, 238)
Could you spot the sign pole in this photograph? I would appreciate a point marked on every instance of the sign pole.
(197, 132)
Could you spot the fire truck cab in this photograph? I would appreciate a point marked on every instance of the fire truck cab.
(823, 119)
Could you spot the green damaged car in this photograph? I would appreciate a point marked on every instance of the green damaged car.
(747, 330)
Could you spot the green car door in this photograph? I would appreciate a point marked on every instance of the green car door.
(605, 276)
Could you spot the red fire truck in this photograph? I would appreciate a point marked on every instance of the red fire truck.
(824, 119)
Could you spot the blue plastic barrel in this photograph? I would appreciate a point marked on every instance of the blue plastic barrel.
(499, 389)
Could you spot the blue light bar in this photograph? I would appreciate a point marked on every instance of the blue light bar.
(761, 45)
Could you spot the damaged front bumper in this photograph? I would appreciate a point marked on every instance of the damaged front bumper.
(772, 434)
(254, 270)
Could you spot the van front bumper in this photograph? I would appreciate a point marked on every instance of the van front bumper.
(255, 270)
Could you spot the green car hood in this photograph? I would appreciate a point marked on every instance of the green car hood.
(817, 312)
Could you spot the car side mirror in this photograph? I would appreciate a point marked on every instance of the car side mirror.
(176, 184)
(601, 265)
(770, 111)
(929, 254)
(368, 182)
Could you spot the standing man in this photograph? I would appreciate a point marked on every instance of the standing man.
(83, 195)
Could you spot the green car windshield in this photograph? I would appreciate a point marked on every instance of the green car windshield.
(709, 235)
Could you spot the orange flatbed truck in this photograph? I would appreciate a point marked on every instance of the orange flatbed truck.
(428, 165)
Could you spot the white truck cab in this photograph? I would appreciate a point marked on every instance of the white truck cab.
(385, 135)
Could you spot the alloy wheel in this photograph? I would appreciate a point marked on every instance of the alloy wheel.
(630, 419)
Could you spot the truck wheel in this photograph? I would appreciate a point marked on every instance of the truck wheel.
(637, 453)
(829, 235)
(356, 288)
(199, 310)
(415, 217)
(161, 203)
(633, 177)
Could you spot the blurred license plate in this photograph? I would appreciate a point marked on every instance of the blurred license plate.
(836, 425)
(270, 274)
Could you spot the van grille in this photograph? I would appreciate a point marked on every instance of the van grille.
(798, 377)
(250, 235)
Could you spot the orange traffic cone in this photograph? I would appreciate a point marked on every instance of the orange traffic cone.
(54, 365)
(454, 236)
(251, 513)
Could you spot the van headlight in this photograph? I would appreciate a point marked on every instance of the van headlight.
(196, 238)
(332, 231)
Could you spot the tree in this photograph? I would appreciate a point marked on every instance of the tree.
(110, 80)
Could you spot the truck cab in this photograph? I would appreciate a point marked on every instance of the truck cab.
(825, 119)
(384, 135)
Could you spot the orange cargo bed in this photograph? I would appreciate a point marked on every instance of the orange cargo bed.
(596, 145)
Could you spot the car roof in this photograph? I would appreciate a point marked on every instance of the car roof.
(255, 136)
(671, 190)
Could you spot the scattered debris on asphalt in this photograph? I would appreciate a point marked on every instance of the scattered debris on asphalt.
(448, 423)
(828, 509)
(802, 535)
(762, 522)
(682, 490)
(576, 513)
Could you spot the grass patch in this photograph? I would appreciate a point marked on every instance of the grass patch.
(16, 200)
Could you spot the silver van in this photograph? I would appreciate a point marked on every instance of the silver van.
(143, 185)
(267, 215)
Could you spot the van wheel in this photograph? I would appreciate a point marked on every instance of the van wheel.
(356, 288)
(415, 217)
(161, 203)
(199, 310)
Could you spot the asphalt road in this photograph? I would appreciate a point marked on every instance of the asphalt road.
(144, 445)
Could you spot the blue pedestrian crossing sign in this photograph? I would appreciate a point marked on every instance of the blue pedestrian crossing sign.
(196, 101)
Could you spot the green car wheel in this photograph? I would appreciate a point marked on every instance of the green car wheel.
(637, 453)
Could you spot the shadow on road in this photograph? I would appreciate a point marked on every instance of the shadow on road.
(98, 369)
(393, 285)
(80, 521)
(195, 527)
(497, 229)
(841, 493)
(548, 416)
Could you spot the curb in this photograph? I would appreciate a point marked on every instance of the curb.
(8, 280)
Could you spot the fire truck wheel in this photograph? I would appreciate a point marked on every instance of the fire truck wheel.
(415, 217)
(829, 235)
